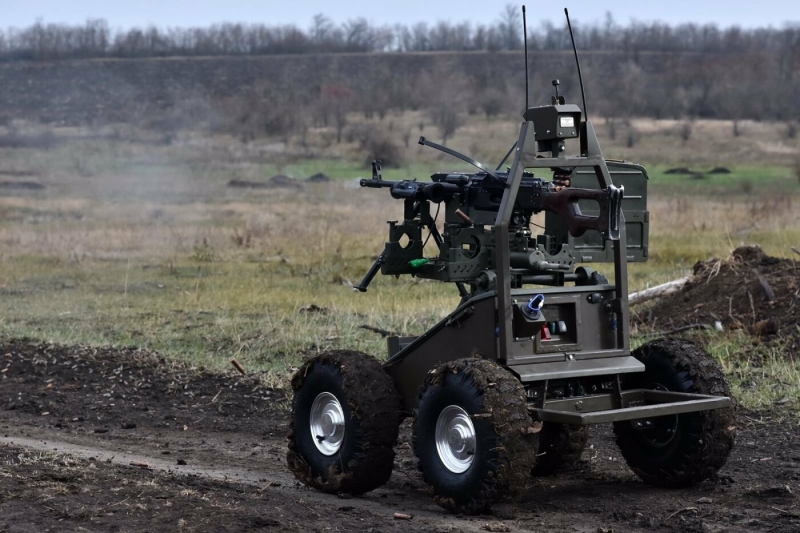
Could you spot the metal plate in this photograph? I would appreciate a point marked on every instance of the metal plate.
(578, 368)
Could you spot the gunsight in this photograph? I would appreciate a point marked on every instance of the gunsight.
(555, 123)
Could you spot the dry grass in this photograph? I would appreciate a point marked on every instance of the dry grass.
(151, 248)
(661, 142)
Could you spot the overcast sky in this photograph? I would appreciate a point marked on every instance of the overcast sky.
(127, 13)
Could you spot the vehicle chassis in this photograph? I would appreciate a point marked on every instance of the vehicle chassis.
(485, 325)
(504, 386)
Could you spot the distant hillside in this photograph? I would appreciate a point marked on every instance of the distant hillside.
(99, 91)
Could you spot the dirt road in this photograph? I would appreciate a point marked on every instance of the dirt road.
(118, 440)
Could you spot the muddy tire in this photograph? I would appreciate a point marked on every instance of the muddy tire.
(473, 435)
(345, 419)
(560, 446)
(678, 450)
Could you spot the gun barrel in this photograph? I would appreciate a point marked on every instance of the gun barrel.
(409, 189)
(434, 192)
(439, 192)
(376, 184)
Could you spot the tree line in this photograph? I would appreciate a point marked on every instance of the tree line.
(95, 39)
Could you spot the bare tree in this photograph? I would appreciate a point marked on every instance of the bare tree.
(686, 131)
(338, 100)
(510, 26)
(678, 71)
(321, 29)
(357, 35)
(445, 91)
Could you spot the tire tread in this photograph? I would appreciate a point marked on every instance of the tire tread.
(375, 402)
(715, 429)
(503, 398)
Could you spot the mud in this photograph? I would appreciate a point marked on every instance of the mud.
(275, 182)
(703, 440)
(560, 447)
(503, 411)
(319, 177)
(228, 432)
(367, 455)
(749, 291)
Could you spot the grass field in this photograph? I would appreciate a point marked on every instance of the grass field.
(132, 242)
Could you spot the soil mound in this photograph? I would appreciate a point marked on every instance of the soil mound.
(750, 291)
(283, 181)
(319, 177)
(679, 170)
(275, 182)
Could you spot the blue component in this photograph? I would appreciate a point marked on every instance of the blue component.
(614, 322)
(534, 306)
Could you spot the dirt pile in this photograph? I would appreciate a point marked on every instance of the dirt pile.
(319, 177)
(750, 291)
(275, 182)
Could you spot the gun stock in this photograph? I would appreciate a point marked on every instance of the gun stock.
(565, 203)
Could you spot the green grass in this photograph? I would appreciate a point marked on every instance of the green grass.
(758, 181)
(760, 375)
(146, 246)
(347, 170)
(206, 313)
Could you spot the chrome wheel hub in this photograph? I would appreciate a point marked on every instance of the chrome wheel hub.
(455, 439)
(327, 423)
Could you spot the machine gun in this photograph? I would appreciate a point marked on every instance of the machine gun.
(472, 202)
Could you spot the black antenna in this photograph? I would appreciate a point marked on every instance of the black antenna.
(525, 37)
(577, 62)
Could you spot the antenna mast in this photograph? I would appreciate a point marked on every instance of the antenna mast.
(578, 63)
(525, 37)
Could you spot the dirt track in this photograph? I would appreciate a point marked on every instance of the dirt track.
(109, 408)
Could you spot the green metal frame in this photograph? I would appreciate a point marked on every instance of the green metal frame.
(470, 329)
(526, 156)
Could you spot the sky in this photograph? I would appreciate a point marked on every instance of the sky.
(184, 13)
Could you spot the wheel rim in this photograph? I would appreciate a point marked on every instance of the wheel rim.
(327, 423)
(455, 439)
